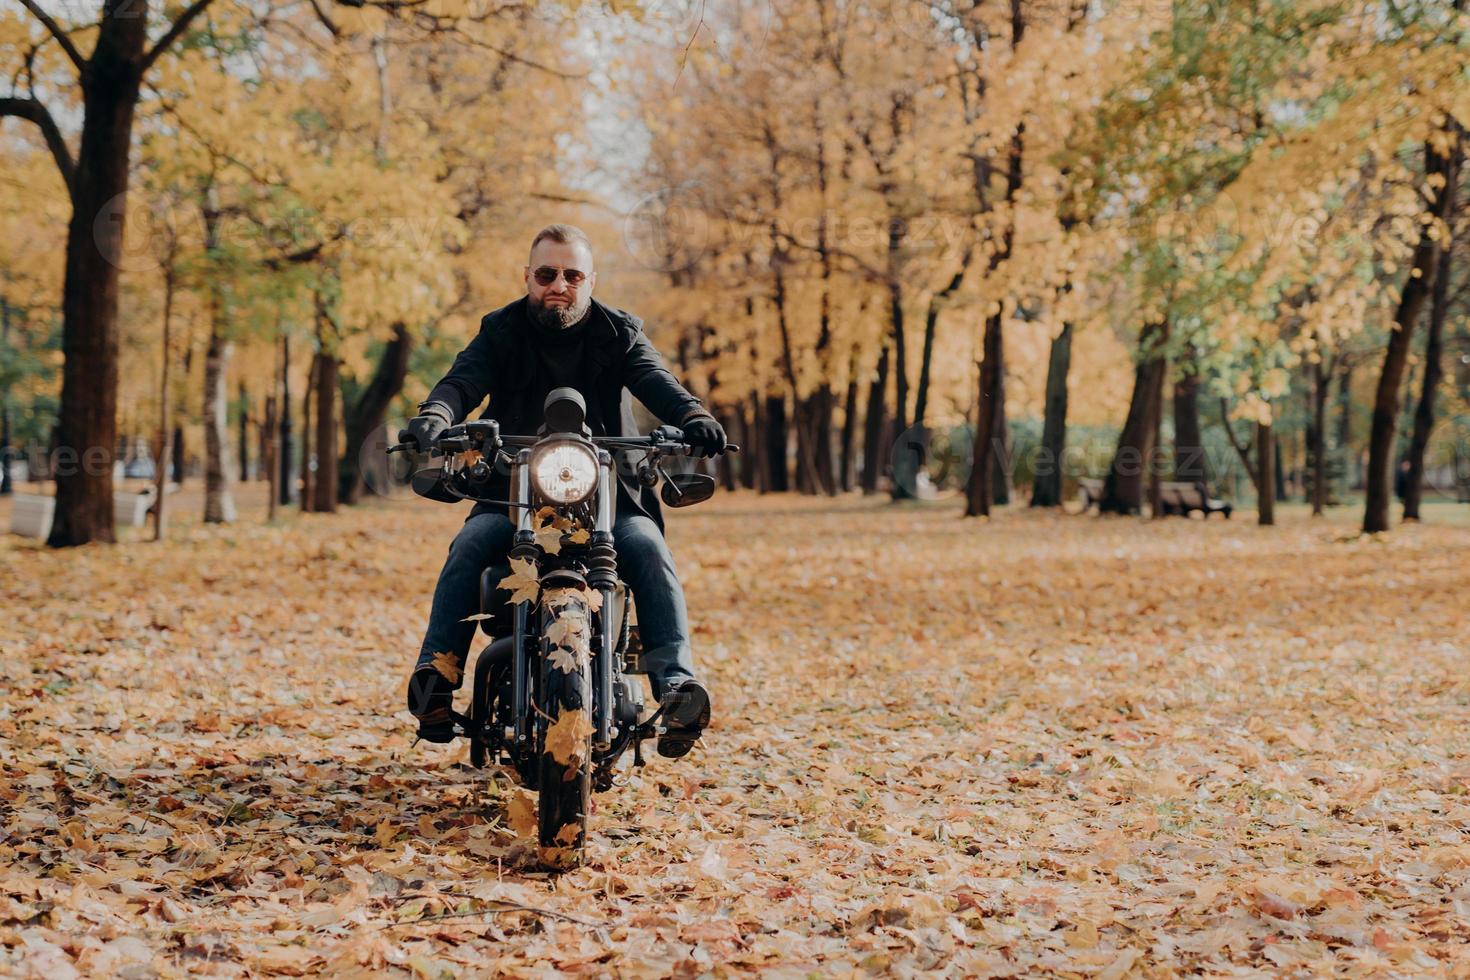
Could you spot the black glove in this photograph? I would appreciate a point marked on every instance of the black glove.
(423, 430)
(705, 435)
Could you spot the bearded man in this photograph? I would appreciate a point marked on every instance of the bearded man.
(556, 336)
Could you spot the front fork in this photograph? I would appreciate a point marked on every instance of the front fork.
(520, 661)
(602, 575)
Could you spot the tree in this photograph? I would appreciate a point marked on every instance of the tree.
(106, 86)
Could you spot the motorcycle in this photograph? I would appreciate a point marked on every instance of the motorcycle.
(555, 695)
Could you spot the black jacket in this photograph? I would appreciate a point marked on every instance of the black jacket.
(617, 359)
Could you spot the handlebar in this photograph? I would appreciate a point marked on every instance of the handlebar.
(475, 434)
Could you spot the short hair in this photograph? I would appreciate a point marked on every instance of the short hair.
(565, 234)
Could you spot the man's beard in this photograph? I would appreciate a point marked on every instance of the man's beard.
(558, 317)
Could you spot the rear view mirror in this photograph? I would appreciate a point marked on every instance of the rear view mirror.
(687, 489)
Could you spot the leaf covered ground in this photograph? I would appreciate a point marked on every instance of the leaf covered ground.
(1054, 744)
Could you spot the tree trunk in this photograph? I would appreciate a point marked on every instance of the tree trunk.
(263, 436)
(849, 436)
(758, 444)
(726, 465)
(244, 430)
(165, 397)
(1124, 487)
(1000, 472)
(981, 490)
(368, 412)
(1046, 491)
(325, 486)
(898, 488)
(6, 489)
(1155, 467)
(269, 459)
(1279, 470)
(285, 453)
(1266, 461)
(874, 424)
(819, 412)
(1190, 464)
(1395, 358)
(219, 503)
(308, 464)
(745, 463)
(178, 455)
(806, 472)
(1349, 455)
(1317, 437)
(1433, 358)
(94, 254)
(776, 443)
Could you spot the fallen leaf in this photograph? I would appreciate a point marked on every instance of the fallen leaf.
(523, 583)
(448, 667)
(567, 738)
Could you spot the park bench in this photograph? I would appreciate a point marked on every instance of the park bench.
(31, 514)
(1182, 498)
(131, 509)
(1089, 493)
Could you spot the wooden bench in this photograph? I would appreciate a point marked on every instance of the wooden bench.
(31, 515)
(1089, 493)
(131, 509)
(1182, 498)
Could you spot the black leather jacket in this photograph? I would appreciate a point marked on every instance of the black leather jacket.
(617, 359)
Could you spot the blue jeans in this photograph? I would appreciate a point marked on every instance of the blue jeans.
(644, 563)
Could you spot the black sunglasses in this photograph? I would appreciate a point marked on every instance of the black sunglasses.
(546, 275)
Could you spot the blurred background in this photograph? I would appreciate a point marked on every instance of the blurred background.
(1157, 254)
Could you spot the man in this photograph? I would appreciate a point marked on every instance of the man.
(558, 335)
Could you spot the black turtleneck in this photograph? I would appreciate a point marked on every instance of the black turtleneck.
(559, 350)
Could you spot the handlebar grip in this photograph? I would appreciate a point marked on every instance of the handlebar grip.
(685, 449)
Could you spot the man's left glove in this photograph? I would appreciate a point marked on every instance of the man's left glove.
(705, 435)
(425, 427)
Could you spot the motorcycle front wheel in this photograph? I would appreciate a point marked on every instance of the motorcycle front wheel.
(565, 771)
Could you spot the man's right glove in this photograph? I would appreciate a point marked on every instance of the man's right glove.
(423, 429)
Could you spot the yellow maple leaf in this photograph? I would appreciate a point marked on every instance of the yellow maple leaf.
(579, 536)
(559, 858)
(569, 630)
(566, 661)
(549, 539)
(563, 600)
(523, 583)
(448, 665)
(567, 738)
(522, 813)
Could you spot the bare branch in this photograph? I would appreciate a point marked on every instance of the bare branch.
(62, 38)
(464, 38)
(326, 20)
(175, 31)
(37, 113)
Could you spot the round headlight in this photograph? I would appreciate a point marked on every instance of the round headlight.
(564, 472)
